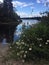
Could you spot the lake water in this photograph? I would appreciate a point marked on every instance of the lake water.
(18, 30)
(27, 22)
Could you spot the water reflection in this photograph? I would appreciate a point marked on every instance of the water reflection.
(27, 23)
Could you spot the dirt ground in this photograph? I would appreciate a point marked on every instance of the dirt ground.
(3, 52)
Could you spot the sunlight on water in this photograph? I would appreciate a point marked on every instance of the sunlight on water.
(19, 27)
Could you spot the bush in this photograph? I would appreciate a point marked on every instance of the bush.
(33, 44)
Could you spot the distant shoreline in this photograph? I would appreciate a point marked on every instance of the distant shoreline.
(36, 18)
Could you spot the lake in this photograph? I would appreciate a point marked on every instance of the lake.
(18, 30)
(19, 27)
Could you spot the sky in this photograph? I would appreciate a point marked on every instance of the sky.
(30, 8)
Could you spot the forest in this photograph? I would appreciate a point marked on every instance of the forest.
(8, 20)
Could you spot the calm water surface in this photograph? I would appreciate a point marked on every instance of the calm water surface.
(18, 30)
(19, 27)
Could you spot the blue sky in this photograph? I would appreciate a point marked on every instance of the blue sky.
(30, 8)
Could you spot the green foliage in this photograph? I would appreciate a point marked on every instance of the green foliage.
(7, 14)
(8, 20)
(33, 43)
(45, 19)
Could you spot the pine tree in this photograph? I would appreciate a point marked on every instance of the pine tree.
(8, 20)
(7, 7)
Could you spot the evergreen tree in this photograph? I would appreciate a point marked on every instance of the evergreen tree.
(8, 20)
(7, 7)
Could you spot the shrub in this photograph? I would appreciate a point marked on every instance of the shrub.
(33, 44)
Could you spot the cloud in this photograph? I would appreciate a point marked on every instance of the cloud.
(21, 4)
(29, 4)
(24, 14)
(47, 0)
(38, 1)
(44, 2)
(1, 0)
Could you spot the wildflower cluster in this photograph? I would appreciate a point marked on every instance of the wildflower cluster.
(33, 43)
(28, 51)
(23, 50)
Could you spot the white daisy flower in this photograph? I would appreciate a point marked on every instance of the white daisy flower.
(22, 52)
(40, 45)
(46, 43)
(23, 35)
(18, 54)
(10, 47)
(25, 51)
(23, 60)
(22, 42)
(30, 49)
(25, 56)
(17, 42)
(39, 38)
(47, 40)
